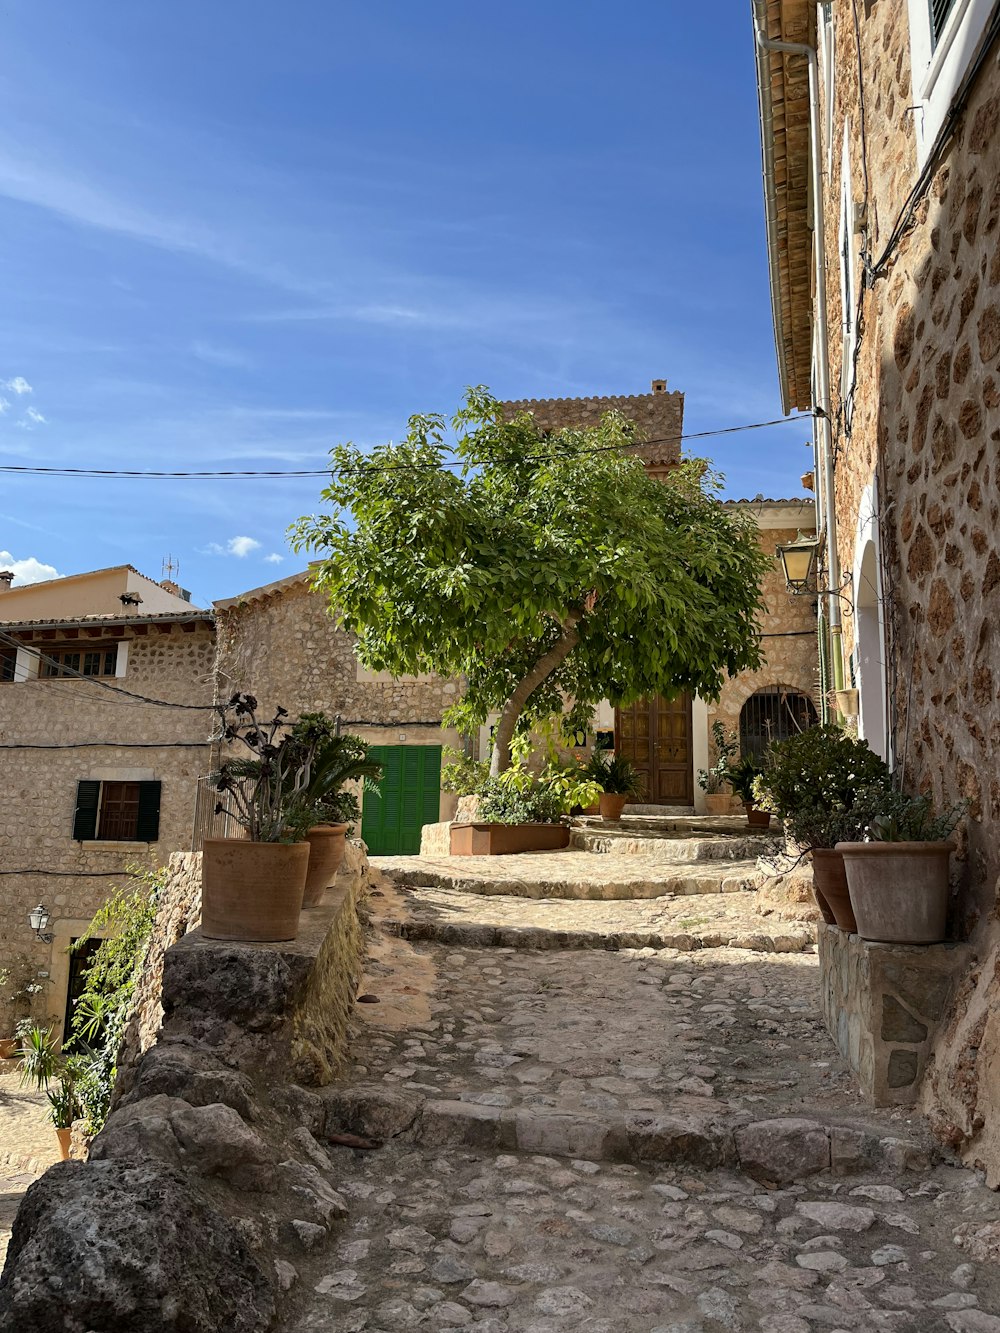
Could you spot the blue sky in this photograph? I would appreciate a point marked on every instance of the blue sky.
(235, 234)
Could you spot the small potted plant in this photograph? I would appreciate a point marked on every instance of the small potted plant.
(741, 777)
(252, 887)
(42, 1065)
(325, 811)
(824, 785)
(713, 780)
(620, 782)
(898, 878)
(19, 985)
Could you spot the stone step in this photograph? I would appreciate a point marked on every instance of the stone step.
(487, 935)
(571, 874)
(608, 840)
(778, 1150)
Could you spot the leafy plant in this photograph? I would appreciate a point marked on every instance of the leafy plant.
(338, 759)
(40, 1060)
(618, 776)
(912, 819)
(712, 780)
(549, 567)
(265, 793)
(525, 801)
(462, 774)
(64, 1105)
(824, 785)
(742, 776)
(19, 984)
(571, 783)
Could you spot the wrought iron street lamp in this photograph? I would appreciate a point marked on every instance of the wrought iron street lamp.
(798, 561)
(38, 919)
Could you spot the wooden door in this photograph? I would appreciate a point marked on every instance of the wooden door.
(408, 797)
(655, 734)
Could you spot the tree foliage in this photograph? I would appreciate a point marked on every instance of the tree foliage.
(542, 568)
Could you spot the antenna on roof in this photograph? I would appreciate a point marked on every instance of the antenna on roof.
(170, 567)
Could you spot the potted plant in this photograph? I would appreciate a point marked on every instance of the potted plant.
(824, 785)
(19, 985)
(741, 777)
(325, 811)
(252, 888)
(42, 1065)
(713, 780)
(517, 812)
(898, 879)
(620, 782)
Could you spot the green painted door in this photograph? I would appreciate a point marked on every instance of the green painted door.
(409, 797)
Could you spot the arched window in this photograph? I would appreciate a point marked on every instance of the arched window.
(773, 714)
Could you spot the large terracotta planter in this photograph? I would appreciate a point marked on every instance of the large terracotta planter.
(327, 843)
(8, 1048)
(610, 805)
(830, 888)
(252, 891)
(899, 890)
(756, 818)
(64, 1136)
(717, 803)
(507, 839)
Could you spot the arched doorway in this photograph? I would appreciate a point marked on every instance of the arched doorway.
(869, 659)
(773, 714)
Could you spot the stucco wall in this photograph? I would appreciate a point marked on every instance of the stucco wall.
(925, 427)
(40, 786)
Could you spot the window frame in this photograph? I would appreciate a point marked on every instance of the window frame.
(848, 278)
(938, 67)
(92, 808)
(48, 670)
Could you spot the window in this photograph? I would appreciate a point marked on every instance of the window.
(944, 36)
(848, 280)
(78, 661)
(774, 714)
(8, 663)
(826, 47)
(117, 811)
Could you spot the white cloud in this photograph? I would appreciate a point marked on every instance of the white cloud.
(31, 419)
(4, 404)
(28, 571)
(273, 559)
(17, 385)
(242, 546)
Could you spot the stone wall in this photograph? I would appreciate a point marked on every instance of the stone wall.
(208, 1180)
(883, 1005)
(40, 787)
(925, 427)
(282, 644)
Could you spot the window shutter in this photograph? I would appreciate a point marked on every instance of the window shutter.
(88, 795)
(940, 9)
(147, 825)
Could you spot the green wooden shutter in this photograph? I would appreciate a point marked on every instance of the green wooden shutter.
(88, 795)
(147, 824)
(408, 797)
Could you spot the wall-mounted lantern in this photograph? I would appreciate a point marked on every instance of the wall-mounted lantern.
(798, 561)
(38, 919)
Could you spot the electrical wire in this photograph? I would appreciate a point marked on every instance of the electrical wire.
(110, 745)
(131, 474)
(67, 874)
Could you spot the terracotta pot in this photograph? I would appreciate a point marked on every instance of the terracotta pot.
(252, 890)
(507, 839)
(756, 818)
(8, 1046)
(64, 1136)
(830, 888)
(717, 803)
(899, 890)
(594, 809)
(611, 806)
(327, 844)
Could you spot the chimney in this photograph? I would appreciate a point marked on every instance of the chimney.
(170, 586)
(659, 386)
(6, 579)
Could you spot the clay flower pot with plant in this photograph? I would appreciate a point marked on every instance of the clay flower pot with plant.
(898, 878)
(252, 888)
(620, 782)
(42, 1066)
(326, 810)
(713, 781)
(824, 785)
(741, 777)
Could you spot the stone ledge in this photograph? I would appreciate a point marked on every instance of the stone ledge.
(883, 1004)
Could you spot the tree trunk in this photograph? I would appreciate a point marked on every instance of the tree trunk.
(512, 709)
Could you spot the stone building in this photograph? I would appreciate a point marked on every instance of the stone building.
(670, 740)
(281, 643)
(94, 778)
(884, 249)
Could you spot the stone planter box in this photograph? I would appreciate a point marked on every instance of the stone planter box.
(507, 839)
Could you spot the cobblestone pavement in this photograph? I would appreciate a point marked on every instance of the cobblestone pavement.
(681, 923)
(572, 874)
(27, 1144)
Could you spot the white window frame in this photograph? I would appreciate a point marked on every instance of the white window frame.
(848, 278)
(827, 46)
(938, 70)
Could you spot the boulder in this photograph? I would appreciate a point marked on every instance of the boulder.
(127, 1246)
(783, 1150)
(213, 1139)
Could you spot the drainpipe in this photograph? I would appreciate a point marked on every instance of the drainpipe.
(822, 390)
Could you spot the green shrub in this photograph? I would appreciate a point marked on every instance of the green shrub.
(462, 774)
(522, 802)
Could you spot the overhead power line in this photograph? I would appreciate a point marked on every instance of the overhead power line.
(18, 469)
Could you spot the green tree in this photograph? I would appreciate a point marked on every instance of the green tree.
(548, 570)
